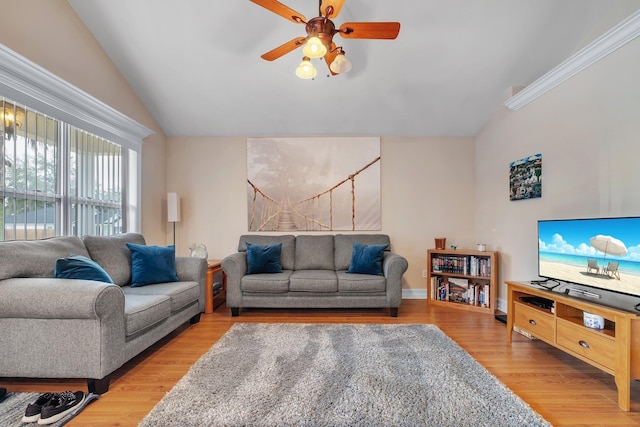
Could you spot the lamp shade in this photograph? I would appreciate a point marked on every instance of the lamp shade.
(173, 207)
(314, 48)
(341, 64)
(306, 70)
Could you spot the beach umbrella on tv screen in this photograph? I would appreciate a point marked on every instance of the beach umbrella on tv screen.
(608, 245)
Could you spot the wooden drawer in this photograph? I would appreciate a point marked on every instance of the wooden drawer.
(587, 343)
(536, 322)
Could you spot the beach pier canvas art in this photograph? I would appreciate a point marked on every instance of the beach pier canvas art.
(603, 252)
(313, 184)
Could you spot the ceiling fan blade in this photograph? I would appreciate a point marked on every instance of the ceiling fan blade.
(370, 30)
(330, 56)
(282, 10)
(336, 4)
(283, 49)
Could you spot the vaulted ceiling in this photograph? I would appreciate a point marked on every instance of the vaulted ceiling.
(196, 64)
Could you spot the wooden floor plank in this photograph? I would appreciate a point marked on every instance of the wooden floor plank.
(565, 390)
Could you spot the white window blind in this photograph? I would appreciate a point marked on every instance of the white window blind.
(57, 179)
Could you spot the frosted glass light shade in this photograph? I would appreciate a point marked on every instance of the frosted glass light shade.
(340, 65)
(314, 48)
(306, 70)
(173, 207)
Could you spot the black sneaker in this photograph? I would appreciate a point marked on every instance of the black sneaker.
(59, 406)
(32, 413)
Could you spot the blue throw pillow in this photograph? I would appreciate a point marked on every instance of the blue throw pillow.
(80, 267)
(367, 259)
(152, 264)
(264, 258)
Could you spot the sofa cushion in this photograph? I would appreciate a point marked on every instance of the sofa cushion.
(344, 246)
(348, 282)
(264, 258)
(267, 283)
(367, 259)
(80, 267)
(37, 258)
(144, 311)
(313, 281)
(180, 294)
(287, 253)
(152, 264)
(314, 253)
(113, 255)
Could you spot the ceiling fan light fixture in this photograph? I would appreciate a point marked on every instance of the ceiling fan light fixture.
(341, 64)
(314, 48)
(306, 70)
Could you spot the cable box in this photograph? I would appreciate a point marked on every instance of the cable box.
(538, 302)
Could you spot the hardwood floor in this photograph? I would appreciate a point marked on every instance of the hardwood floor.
(565, 390)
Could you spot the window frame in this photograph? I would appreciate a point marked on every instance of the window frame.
(29, 84)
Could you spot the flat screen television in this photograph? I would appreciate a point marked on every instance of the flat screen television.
(602, 255)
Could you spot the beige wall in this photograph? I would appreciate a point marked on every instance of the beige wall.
(588, 131)
(426, 185)
(50, 34)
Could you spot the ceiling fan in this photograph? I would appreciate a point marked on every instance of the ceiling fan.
(320, 31)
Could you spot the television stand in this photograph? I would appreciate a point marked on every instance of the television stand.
(614, 349)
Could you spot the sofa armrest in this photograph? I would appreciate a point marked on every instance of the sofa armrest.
(235, 267)
(393, 267)
(49, 298)
(191, 269)
(64, 319)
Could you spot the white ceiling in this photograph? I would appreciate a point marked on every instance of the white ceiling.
(196, 64)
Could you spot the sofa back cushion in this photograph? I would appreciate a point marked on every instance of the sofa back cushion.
(37, 258)
(314, 253)
(288, 246)
(112, 254)
(344, 246)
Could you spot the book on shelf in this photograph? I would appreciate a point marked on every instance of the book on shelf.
(458, 290)
(439, 289)
(470, 265)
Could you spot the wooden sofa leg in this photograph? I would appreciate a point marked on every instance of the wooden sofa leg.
(235, 311)
(394, 311)
(98, 386)
(195, 319)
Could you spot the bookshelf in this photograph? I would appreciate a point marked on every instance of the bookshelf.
(463, 279)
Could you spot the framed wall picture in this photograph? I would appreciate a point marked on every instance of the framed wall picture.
(313, 184)
(525, 178)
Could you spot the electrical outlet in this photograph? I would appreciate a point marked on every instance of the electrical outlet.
(424, 274)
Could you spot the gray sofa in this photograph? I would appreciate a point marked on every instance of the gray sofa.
(69, 328)
(314, 275)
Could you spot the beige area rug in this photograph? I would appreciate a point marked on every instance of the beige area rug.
(339, 375)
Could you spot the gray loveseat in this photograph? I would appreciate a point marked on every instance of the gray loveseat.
(68, 328)
(314, 275)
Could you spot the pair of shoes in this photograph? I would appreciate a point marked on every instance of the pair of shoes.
(51, 407)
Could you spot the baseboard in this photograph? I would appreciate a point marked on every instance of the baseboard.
(414, 294)
(502, 305)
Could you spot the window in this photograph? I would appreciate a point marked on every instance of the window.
(69, 164)
(56, 179)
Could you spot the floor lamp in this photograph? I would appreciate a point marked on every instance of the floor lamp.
(173, 212)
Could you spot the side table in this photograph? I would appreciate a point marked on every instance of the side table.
(212, 301)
